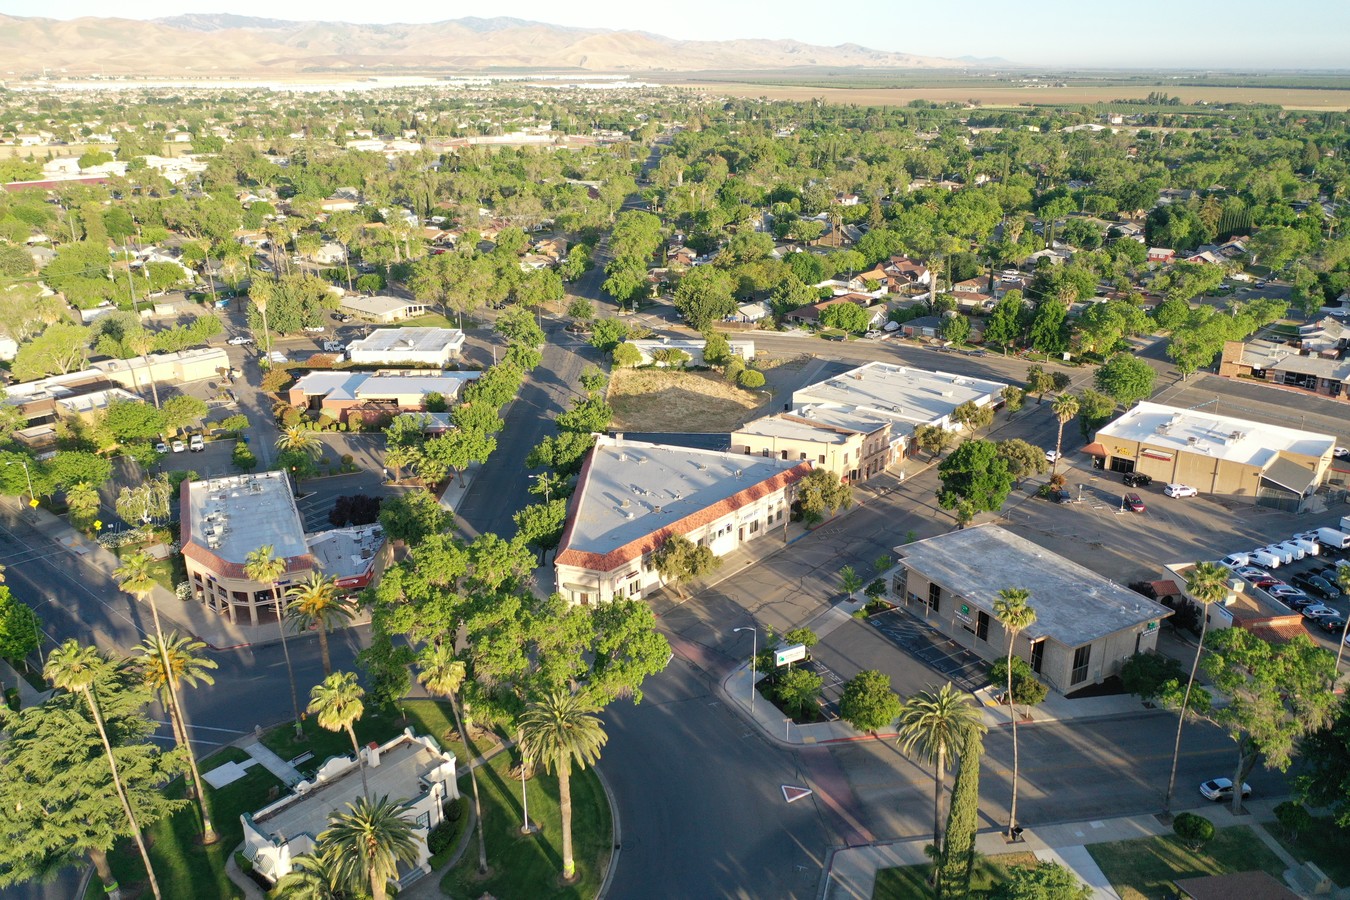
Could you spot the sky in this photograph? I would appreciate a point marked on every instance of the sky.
(1238, 34)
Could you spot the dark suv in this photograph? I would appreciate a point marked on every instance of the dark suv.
(1316, 586)
(1137, 479)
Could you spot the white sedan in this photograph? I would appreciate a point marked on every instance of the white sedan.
(1051, 456)
(1342, 452)
(1180, 490)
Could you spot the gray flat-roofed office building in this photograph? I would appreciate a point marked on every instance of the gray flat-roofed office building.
(1086, 625)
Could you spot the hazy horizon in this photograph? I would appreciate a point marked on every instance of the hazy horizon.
(1060, 34)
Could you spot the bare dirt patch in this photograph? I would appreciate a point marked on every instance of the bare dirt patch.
(662, 400)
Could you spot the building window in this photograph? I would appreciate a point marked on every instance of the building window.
(982, 625)
(1037, 656)
(822, 459)
(754, 527)
(934, 596)
(1080, 664)
(784, 452)
(424, 820)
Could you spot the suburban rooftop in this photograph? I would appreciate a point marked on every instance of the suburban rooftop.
(233, 516)
(1223, 437)
(420, 340)
(1073, 604)
(901, 393)
(633, 488)
(364, 386)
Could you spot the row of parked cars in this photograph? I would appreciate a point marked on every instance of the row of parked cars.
(1309, 590)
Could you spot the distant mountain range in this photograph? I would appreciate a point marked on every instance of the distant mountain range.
(203, 44)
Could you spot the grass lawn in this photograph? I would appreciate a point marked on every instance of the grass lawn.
(1147, 867)
(911, 882)
(529, 866)
(665, 400)
(429, 320)
(1323, 844)
(184, 867)
(431, 717)
(168, 572)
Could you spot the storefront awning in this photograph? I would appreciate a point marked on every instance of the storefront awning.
(1095, 449)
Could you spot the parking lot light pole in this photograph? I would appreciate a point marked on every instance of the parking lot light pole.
(27, 477)
(754, 653)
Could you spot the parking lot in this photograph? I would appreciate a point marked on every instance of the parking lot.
(948, 658)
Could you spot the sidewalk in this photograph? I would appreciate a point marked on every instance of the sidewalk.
(28, 695)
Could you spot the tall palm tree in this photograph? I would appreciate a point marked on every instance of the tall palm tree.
(1065, 407)
(442, 674)
(368, 842)
(561, 730)
(1342, 580)
(134, 577)
(76, 669)
(1015, 614)
(336, 703)
(934, 723)
(264, 566)
(1206, 584)
(313, 876)
(316, 603)
(164, 663)
(261, 291)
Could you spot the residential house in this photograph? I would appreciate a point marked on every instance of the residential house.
(1161, 255)
(410, 769)
(339, 395)
(810, 314)
(434, 347)
(632, 495)
(1086, 626)
(383, 309)
(922, 327)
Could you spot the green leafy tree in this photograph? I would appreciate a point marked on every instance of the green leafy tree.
(1094, 409)
(561, 731)
(83, 670)
(704, 296)
(60, 349)
(145, 502)
(820, 493)
(1125, 378)
(1277, 693)
(19, 627)
(412, 516)
(626, 356)
(933, 439)
(67, 765)
(969, 415)
(716, 349)
(541, 524)
(680, 559)
(1026, 689)
(956, 863)
(1004, 327)
(1325, 778)
(608, 334)
(846, 316)
(367, 842)
(1195, 831)
(974, 472)
(1023, 459)
(336, 704)
(1049, 331)
(750, 379)
(1043, 881)
(1206, 584)
(933, 725)
(956, 329)
(868, 703)
(1016, 615)
(799, 690)
(1039, 382)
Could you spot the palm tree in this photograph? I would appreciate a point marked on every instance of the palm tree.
(316, 603)
(313, 876)
(935, 724)
(180, 658)
(261, 291)
(77, 669)
(1342, 580)
(134, 577)
(367, 843)
(296, 438)
(1206, 584)
(561, 730)
(336, 703)
(442, 674)
(263, 565)
(1065, 407)
(1015, 614)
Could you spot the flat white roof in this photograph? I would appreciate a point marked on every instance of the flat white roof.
(634, 488)
(379, 304)
(363, 385)
(900, 393)
(1073, 604)
(416, 340)
(1222, 437)
(782, 425)
(233, 516)
(346, 552)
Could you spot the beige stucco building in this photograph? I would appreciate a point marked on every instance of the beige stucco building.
(1266, 464)
(1086, 625)
(851, 446)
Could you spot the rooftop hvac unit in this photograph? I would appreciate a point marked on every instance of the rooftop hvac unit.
(1192, 440)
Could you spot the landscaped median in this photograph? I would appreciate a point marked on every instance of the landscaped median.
(519, 866)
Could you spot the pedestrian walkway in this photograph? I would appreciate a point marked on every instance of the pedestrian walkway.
(28, 695)
(289, 774)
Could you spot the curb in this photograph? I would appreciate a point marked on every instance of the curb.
(617, 830)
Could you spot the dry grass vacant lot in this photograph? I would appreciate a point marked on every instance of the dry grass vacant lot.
(662, 400)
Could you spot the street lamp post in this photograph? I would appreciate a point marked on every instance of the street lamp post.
(754, 654)
(542, 478)
(27, 477)
(525, 828)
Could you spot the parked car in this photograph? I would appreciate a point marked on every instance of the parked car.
(178, 446)
(1317, 587)
(1317, 611)
(315, 329)
(1331, 624)
(240, 340)
(1251, 572)
(1135, 502)
(343, 317)
(1342, 452)
(161, 447)
(1180, 490)
(1060, 495)
(1222, 789)
(196, 443)
(1267, 581)
(332, 346)
(1051, 456)
(1137, 479)
(1292, 598)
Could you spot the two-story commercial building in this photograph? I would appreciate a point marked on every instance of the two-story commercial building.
(632, 495)
(1086, 625)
